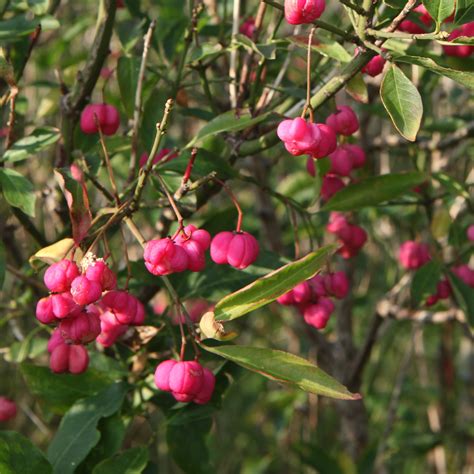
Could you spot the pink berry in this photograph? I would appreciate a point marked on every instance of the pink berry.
(341, 162)
(337, 284)
(238, 249)
(99, 271)
(64, 306)
(58, 277)
(78, 359)
(298, 12)
(408, 26)
(185, 380)
(107, 116)
(318, 314)
(121, 305)
(443, 289)
(465, 273)
(317, 285)
(65, 358)
(357, 154)
(460, 51)
(287, 298)
(344, 121)
(337, 222)
(327, 143)
(85, 291)
(302, 293)
(299, 136)
(162, 374)
(330, 186)
(247, 28)
(108, 338)
(432, 300)
(82, 329)
(375, 66)
(44, 310)
(7, 409)
(55, 340)
(470, 233)
(163, 257)
(194, 242)
(204, 395)
(59, 360)
(412, 255)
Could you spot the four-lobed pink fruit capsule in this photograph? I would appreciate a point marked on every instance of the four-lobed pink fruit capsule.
(344, 121)
(66, 358)
(59, 276)
(104, 116)
(238, 249)
(298, 12)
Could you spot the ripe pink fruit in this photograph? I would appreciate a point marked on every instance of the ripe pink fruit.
(238, 249)
(318, 288)
(337, 284)
(163, 256)
(166, 154)
(302, 293)
(82, 329)
(121, 305)
(344, 121)
(195, 242)
(354, 239)
(465, 273)
(247, 28)
(107, 117)
(298, 12)
(413, 255)
(341, 162)
(408, 26)
(330, 186)
(460, 51)
(55, 340)
(85, 291)
(64, 306)
(65, 358)
(162, 374)
(7, 409)
(318, 314)
(44, 310)
(58, 277)
(375, 66)
(337, 222)
(299, 136)
(100, 272)
(357, 154)
(109, 337)
(470, 233)
(204, 395)
(327, 143)
(185, 380)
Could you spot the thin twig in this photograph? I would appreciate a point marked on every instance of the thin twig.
(233, 55)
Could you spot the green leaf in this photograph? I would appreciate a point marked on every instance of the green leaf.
(227, 122)
(374, 190)
(77, 434)
(132, 461)
(265, 51)
(464, 295)
(19, 26)
(464, 12)
(286, 368)
(466, 78)
(20, 455)
(39, 139)
(326, 47)
(18, 191)
(439, 9)
(3, 264)
(205, 51)
(357, 89)
(402, 102)
(425, 281)
(270, 287)
(60, 391)
(451, 184)
(127, 76)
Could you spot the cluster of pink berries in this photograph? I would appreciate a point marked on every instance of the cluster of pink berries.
(352, 237)
(7, 409)
(186, 251)
(413, 255)
(299, 12)
(85, 306)
(188, 381)
(312, 297)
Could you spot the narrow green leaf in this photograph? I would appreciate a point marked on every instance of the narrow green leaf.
(20, 455)
(18, 191)
(373, 190)
(19, 26)
(59, 392)
(205, 51)
(39, 139)
(127, 75)
(270, 287)
(77, 434)
(402, 102)
(326, 47)
(451, 184)
(425, 281)
(466, 78)
(227, 122)
(286, 368)
(439, 9)
(132, 461)
(464, 295)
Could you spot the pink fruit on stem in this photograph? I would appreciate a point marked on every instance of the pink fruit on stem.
(100, 272)
(317, 315)
(470, 233)
(460, 51)
(194, 242)
(85, 291)
(357, 154)
(327, 143)
(82, 329)
(298, 12)
(408, 26)
(331, 185)
(55, 340)
(185, 380)
(162, 374)
(44, 310)
(163, 257)
(375, 66)
(341, 162)
(318, 288)
(238, 249)
(302, 293)
(337, 284)
(247, 28)
(412, 255)
(299, 136)
(64, 306)
(106, 115)
(204, 395)
(109, 337)
(121, 305)
(65, 358)
(344, 121)
(8, 409)
(59, 276)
